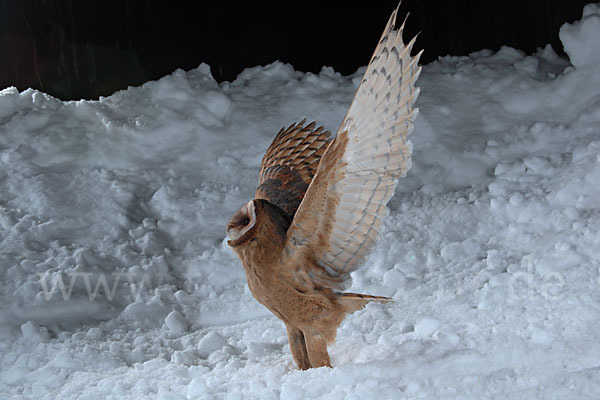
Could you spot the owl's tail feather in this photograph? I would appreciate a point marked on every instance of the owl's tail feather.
(355, 301)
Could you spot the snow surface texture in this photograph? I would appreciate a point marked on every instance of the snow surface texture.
(491, 249)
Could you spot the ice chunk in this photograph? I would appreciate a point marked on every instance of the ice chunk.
(210, 343)
(176, 322)
(34, 333)
(426, 327)
(197, 388)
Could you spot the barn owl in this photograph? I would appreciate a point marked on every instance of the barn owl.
(319, 207)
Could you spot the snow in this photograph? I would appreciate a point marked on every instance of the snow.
(579, 38)
(118, 282)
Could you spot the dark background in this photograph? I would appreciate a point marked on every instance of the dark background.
(77, 49)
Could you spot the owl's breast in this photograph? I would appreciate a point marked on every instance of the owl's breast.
(285, 301)
(266, 289)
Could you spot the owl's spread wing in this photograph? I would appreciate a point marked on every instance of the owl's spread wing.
(340, 218)
(290, 164)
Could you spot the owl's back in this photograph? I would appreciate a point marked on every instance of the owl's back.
(290, 164)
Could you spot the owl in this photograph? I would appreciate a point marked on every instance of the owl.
(319, 208)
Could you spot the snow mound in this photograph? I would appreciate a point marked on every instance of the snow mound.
(580, 39)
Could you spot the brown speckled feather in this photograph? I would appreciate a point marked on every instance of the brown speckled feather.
(290, 164)
(340, 218)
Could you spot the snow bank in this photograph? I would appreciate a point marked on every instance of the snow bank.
(117, 281)
(580, 39)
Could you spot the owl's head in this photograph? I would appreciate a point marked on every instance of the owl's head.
(257, 218)
(241, 224)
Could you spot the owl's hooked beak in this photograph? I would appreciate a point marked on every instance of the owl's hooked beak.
(241, 222)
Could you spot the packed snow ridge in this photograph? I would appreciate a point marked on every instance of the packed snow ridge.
(117, 282)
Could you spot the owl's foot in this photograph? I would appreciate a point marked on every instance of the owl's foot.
(298, 347)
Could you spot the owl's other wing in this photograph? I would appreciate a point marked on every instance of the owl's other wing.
(290, 164)
(340, 218)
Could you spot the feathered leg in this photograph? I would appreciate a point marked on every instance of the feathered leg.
(317, 350)
(298, 347)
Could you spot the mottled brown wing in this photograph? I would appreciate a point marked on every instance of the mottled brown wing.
(340, 218)
(290, 164)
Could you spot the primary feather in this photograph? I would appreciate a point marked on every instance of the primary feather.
(340, 217)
